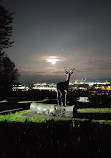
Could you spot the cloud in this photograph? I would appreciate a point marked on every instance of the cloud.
(58, 73)
(31, 72)
(100, 64)
(86, 65)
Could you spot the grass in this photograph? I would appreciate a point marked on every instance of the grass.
(23, 102)
(102, 121)
(16, 117)
(40, 101)
(94, 110)
(3, 101)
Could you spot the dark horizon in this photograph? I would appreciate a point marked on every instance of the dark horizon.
(30, 80)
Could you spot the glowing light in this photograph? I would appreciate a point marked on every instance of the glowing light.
(52, 60)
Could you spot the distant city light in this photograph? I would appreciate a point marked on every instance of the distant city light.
(75, 85)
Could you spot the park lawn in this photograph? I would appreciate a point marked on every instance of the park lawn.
(102, 121)
(16, 117)
(24, 102)
(3, 101)
(38, 101)
(94, 110)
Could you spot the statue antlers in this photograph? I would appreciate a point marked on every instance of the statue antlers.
(71, 71)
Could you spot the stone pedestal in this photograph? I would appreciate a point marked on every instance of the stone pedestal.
(52, 109)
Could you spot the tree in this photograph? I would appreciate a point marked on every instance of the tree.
(6, 20)
(8, 72)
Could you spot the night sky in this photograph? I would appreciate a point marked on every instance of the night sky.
(52, 34)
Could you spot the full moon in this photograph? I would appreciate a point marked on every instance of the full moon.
(52, 60)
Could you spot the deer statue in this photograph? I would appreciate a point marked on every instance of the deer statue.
(62, 88)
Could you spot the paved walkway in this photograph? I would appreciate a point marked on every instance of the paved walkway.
(40, 116)
(9, 111)
(80, 116)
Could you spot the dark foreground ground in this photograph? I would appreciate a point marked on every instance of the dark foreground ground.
(60, 139)
(54, 139)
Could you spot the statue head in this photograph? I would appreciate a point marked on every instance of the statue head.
(68, 73)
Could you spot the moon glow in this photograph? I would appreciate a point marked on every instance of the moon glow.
(52, 60)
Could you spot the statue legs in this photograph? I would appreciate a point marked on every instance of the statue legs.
(61, 97)
(64, 97)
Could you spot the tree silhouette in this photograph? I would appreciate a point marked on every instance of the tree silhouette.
(8, 72)
(6, 20)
